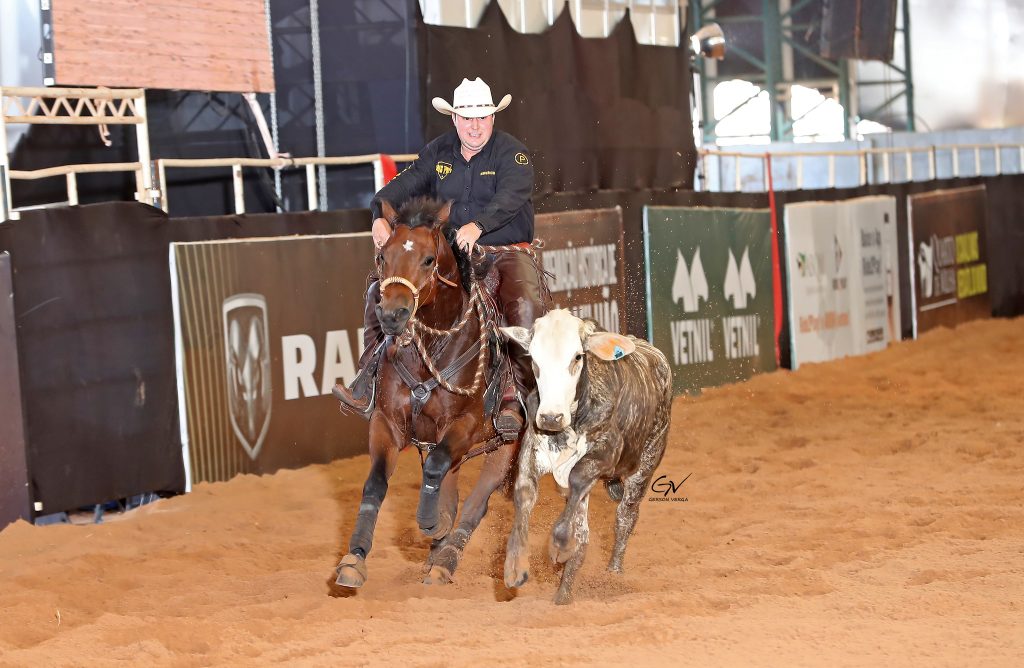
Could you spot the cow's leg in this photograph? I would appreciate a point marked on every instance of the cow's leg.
(517, 552)
(584, 475)
(383, 458)
(581, 537)
(634, 488)
(493, 473)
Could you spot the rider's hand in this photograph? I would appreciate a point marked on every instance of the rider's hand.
(381, 232)
(467, 236)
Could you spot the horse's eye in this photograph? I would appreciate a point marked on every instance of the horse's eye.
(429, 261)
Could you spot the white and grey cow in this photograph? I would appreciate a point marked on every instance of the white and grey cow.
(600, 412)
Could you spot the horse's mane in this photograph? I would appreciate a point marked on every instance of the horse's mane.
(425, 212)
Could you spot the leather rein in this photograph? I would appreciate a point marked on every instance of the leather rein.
(421, 391)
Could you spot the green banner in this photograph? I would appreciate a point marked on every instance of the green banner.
(709, 293)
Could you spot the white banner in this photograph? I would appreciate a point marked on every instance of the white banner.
(843, 277)
(875, 281)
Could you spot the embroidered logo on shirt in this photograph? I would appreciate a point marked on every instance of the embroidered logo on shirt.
(443, 169)
(487, 173)
(521, 159)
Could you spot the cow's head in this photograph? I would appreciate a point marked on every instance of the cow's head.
(559, 344)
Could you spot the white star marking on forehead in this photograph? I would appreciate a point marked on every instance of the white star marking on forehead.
(407, 245)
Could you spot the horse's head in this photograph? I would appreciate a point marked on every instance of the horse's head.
(416, 262)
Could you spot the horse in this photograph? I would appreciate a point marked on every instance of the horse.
(432, 396)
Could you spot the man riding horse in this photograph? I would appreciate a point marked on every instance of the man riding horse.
(487, 175)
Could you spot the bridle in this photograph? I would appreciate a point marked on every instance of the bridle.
(401, 280)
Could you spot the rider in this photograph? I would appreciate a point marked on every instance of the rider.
(489, 177)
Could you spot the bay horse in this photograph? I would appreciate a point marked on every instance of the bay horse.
(431, 396)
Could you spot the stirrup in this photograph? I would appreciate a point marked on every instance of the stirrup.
(361, 396)
(509, 423)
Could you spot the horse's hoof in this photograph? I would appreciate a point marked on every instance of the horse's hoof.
(438, 575)
(351, 571)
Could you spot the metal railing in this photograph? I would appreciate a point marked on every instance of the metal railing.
(869, 161)
(159, 195)
(237, 164)
(73, 106)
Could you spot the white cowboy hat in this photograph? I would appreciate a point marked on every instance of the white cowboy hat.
(472, 99)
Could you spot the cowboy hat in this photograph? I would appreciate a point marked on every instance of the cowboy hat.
(472, 99)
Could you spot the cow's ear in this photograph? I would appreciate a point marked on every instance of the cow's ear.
(608, 346)
(518, 335)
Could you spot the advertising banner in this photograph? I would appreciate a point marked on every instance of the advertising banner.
(14, 492)
(948, 262)
(709, 293)
(583, 250)
(264, 329)
(818, 261)
(875, 273)
(843, 277)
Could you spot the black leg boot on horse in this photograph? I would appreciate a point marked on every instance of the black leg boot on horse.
(360, 396)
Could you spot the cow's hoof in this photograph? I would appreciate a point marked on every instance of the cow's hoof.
(517, 571)
(562, 544)
(438, 575)
(614, 488)
(351, 571)
(563, 597)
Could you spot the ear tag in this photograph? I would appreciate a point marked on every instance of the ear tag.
(610, 347)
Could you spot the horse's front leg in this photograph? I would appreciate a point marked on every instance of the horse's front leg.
(384, 448)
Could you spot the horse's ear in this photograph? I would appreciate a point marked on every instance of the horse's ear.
(388, 212)
(444, 213)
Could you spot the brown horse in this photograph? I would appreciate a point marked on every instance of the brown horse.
(431, 386)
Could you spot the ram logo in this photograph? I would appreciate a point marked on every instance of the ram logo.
(248, 369)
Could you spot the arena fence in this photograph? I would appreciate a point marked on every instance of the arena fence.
(875, 166)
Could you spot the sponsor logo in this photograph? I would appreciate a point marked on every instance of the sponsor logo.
(936, 264)
(443, 169)
(689, 284)
(299, 359)
(522, 159)
(739, 280)
(585, 267)
(248, 368)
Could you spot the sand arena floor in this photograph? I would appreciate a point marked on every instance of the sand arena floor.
(863, 512)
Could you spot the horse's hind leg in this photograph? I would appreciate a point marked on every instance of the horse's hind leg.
(493, 473)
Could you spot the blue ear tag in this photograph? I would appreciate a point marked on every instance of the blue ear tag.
(619, 352)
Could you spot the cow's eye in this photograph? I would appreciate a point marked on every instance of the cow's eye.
(579, 356)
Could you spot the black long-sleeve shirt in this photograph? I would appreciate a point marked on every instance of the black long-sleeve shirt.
(493, 188)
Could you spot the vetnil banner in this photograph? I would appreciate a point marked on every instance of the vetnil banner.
(709, 293)
(949, 264)
(264, 329)
(842, 277)
(583, 252)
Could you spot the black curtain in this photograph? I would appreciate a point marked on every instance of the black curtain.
(595, 113)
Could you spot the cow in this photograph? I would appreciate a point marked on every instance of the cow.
(601, 411)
